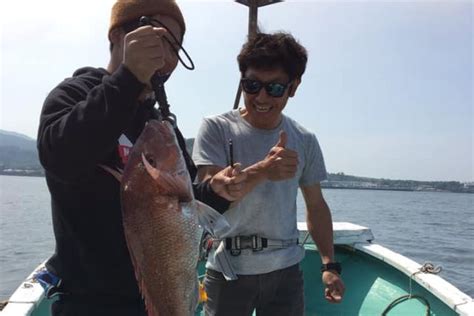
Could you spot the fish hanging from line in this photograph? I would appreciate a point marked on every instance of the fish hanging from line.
(163, 223)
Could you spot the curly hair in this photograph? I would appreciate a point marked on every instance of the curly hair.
(267, 51)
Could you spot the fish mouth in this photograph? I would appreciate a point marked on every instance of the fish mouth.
(163, 128)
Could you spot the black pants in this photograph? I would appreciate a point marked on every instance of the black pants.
(276, 293)
(74, 306)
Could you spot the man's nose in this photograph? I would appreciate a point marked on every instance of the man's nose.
(262, 95)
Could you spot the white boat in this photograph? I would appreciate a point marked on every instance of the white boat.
(378, 282)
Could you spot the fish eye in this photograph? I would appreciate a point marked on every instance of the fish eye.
(150, 159)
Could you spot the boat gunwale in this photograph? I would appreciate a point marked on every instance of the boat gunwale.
(445, 291)
(361, 238)
(27, 297)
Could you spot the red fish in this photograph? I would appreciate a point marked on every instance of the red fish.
(163, 222)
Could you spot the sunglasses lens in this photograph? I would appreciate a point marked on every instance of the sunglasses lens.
(251, 86)
(275, 89)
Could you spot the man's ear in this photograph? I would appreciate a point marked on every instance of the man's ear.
(293, 87)
(116, 36)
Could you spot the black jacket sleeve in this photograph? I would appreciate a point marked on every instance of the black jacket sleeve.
(82, 119)
(204, 193)
(203, 190)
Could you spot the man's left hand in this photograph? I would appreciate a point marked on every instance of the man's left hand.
(334, 287)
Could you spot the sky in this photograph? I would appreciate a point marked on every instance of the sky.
(388, 88)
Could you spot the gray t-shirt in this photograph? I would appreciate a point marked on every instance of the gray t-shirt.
(270, 209)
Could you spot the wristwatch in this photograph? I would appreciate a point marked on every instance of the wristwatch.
(334, 266)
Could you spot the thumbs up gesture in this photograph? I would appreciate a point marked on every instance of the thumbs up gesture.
(281, 163)
(282, 140)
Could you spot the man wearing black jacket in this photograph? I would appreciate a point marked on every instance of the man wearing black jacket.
(93, 119)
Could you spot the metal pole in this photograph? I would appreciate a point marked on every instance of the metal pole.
(237, 97)
(253, 18)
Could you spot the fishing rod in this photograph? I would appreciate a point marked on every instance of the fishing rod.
(253, 17)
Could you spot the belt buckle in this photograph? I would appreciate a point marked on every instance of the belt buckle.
(236, 247)
(257, 243)
(246, 242)
(253, 242)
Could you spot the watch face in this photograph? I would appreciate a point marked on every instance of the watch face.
(335, 266)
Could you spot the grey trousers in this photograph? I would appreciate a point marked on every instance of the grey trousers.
(276, 293)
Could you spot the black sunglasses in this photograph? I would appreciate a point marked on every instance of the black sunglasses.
(274, 89)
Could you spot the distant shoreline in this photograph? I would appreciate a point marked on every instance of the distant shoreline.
(38, 174)
(341, 185)
(378, 189)
(390, 189)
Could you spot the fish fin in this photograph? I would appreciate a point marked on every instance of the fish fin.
(179, 186)
(194, 303)
(202, 293)
(169, 183)
(200, 297)
(116, 173)
(224, 262)
(211, 220)
(175, 185)
(134, 248)
(152, 171)
(150, 307)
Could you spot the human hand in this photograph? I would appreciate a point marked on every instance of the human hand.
(228, 183)
(334, 287)
(281, 163)
(145, 52)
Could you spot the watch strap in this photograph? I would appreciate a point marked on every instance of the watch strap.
(331, 266)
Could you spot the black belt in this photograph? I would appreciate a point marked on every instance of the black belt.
(254, 242)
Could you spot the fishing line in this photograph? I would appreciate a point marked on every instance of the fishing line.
(145, 20)
(158, 80)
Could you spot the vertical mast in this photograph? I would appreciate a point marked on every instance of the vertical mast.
(253, 18)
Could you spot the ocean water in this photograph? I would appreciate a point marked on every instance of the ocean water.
(424, 226)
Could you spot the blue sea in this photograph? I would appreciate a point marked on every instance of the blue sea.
(424, 226)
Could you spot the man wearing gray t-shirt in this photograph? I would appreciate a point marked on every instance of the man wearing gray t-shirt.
(279, 156)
